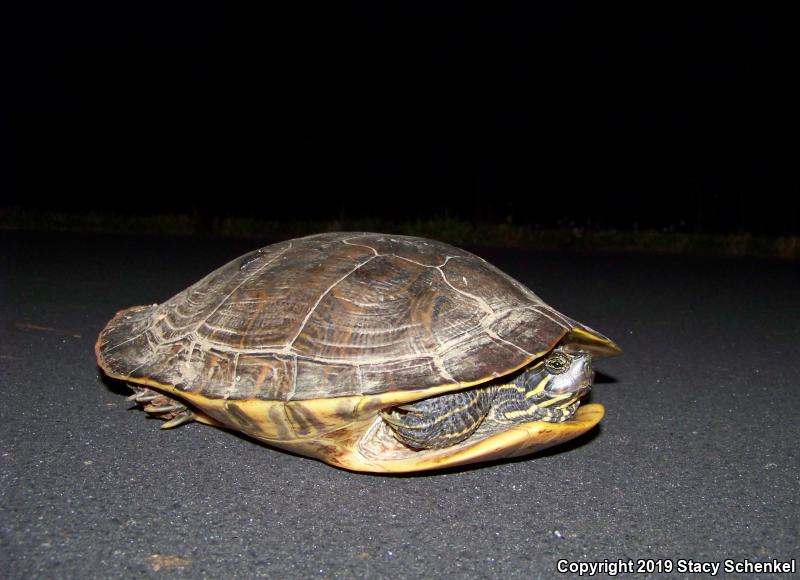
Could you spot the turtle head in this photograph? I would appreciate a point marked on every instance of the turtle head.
(549, 390)
(564, 372)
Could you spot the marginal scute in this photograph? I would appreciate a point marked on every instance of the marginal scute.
(213, 368)
(127, 338)
(483, 357)
(325, 379)
(265, 375)
(397, 375)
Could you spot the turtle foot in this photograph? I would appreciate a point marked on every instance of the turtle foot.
(159, 405)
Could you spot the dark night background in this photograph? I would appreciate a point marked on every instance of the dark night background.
(547, 113)
(634, 164)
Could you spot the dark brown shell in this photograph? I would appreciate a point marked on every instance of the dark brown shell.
(332, 315)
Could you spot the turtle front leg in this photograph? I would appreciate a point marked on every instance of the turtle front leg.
(174, 412)
(440, 421)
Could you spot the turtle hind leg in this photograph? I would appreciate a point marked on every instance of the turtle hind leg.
(440, 421)
(159, 405)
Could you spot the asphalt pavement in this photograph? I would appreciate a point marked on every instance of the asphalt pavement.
(696, 458)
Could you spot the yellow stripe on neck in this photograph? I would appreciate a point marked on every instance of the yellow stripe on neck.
(540, 387)
(554, 400)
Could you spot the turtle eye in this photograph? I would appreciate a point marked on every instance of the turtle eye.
(556, 364)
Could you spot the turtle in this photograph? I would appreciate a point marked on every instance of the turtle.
(372, 352)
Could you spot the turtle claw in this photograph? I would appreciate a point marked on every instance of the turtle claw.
(142, 397)
(180, 419)
(390, 418)
(155, 403)
(158, 409)
(393, 417)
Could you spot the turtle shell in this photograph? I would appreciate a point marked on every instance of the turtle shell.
(337, 315)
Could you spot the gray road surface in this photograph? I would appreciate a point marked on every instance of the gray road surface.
(697, 458)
